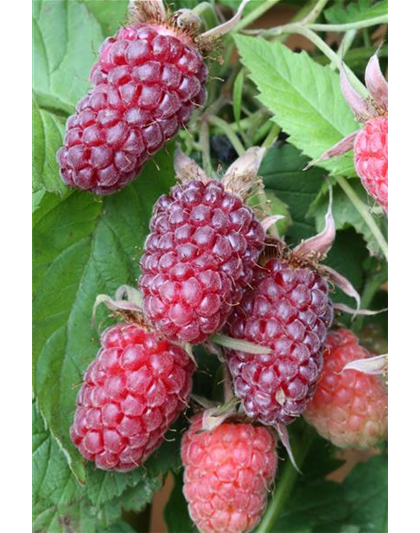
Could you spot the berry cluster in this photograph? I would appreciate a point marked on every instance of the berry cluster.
(227, 475)
(132, 392)
(207, 268)
(349, 408)
(146, 85)
(198, 259)
(289, 311)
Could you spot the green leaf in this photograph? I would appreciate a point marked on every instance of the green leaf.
(356, 11)
(51, 478)
(56, 496)
(317, 505)
(346, 215)
(183, 4)
(111, 14)
(66, 39)
(119, 527)
(36, 199)
(282, 172)
(83, 246)
(304, 97)
(47, 137)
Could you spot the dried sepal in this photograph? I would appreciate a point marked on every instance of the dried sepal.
(127, 303)
(215, 416)
(343, 283)
(284, 439)
(187, 21)
(239, 345)
(147, 11)
(374, 366)
(376, 83)
(269, 221)
(360, 106)
(356, 312)
(317, 247)
(342, 147)
(186, 169)
(241, 177)
(226, 27)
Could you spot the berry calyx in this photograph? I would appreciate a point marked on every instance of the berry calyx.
(350, 407)
(228, 472)
(132, 392)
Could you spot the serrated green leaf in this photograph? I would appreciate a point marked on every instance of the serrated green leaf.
(135, 487)
(319, 506)
(356, 11)
(66, 39)
(77, 517)
(282, 172)
(51, 478)
(111, 14)
(83, 246)
(304, 97)
(47, 137)
(346, 215)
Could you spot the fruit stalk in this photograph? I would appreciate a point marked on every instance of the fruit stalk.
(365, 214)
(285, 484)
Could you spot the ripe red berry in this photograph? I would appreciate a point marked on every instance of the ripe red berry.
(288, 310)
(371, 158)
(147, 82)
(228, 472)
(132, 392)
(349, 408)
(198, 258)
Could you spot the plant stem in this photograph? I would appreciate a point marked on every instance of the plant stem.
(272, 136)
(205, 148)
(345, 44)
(365, 214)
(326, 50)
(255, 14)
(383, 19)
(285, 483)
(228, 131)
(314, 12)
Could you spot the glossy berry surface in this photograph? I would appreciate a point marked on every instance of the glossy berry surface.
(228, 472)
(371, 159)
(198, 258)
(146, 84)
(131, 393)
(350, 409)
(288, 310)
